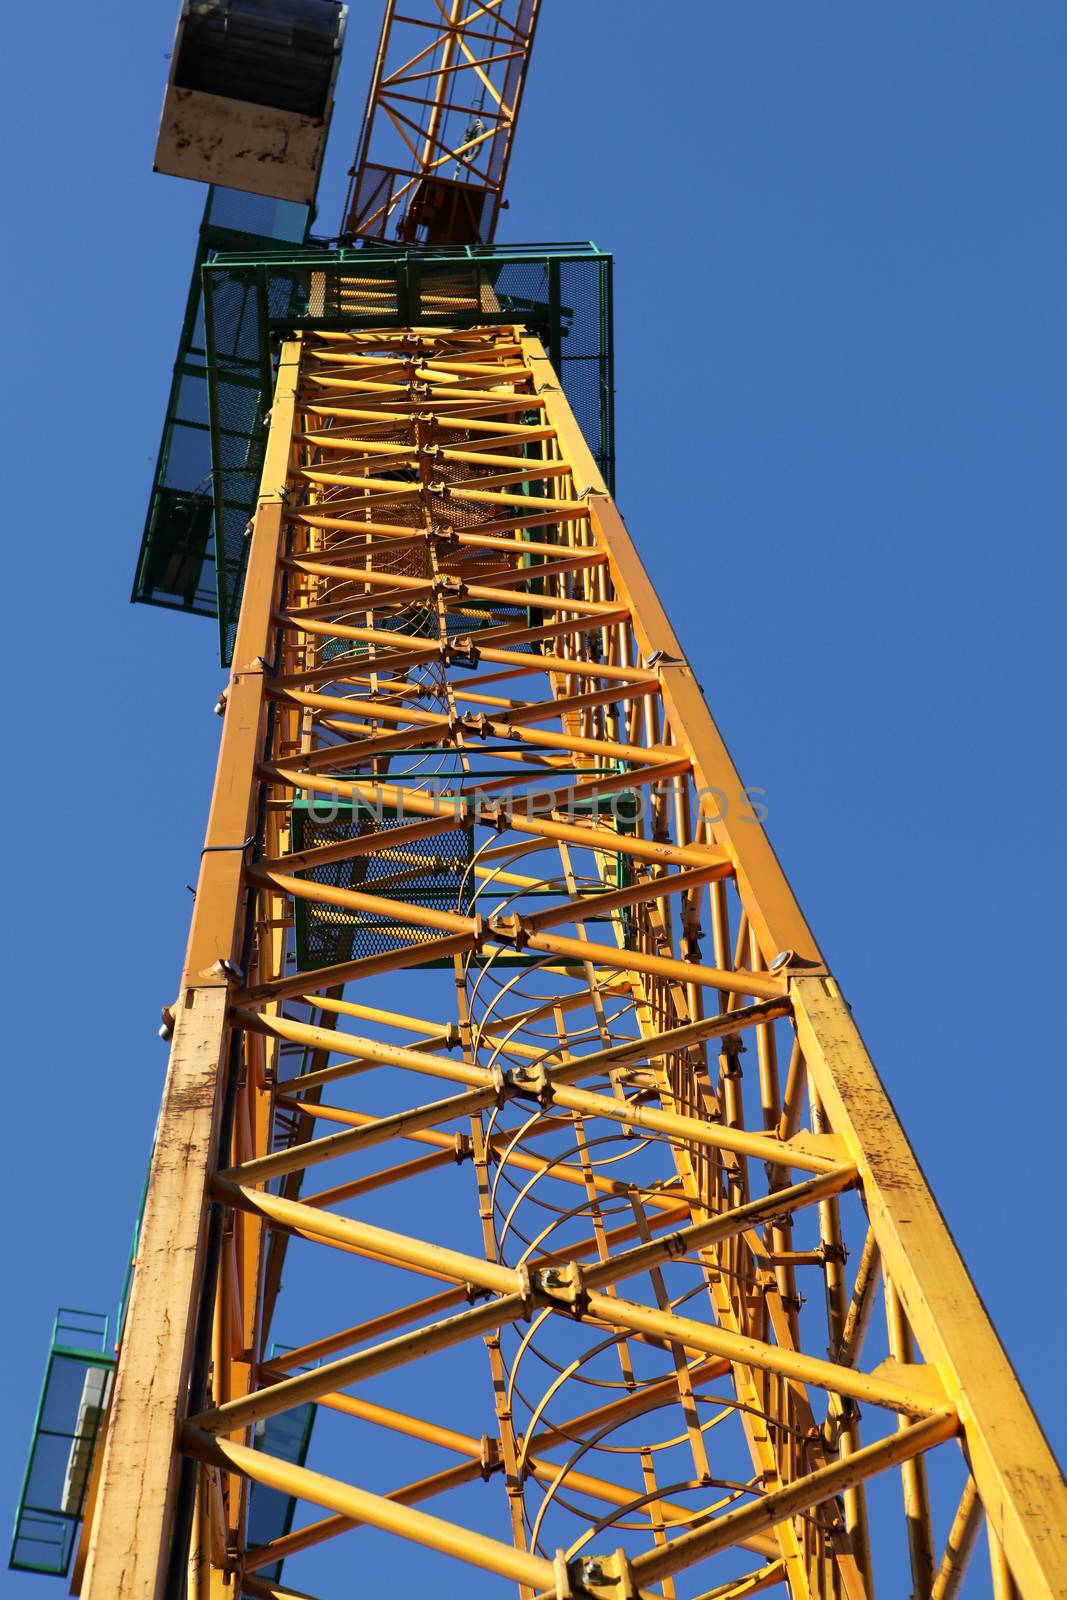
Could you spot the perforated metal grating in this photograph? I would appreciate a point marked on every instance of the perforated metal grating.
(414, 873)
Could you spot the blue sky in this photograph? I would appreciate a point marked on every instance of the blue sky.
(840, 249)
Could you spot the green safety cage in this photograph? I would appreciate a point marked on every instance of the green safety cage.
(249, 291)
(70, 1412)
(70, 1415)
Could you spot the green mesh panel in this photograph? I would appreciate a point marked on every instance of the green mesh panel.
(249, 291)
(178, 563)
(428, 872)
(267, 294)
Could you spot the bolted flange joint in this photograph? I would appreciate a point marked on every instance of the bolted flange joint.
(561, 1289)
(491, 1458)
(490, 813)
(511, 930)
(460, 652)
(478, 723)
(530, 1082)
(594, 1577)
(443, 535)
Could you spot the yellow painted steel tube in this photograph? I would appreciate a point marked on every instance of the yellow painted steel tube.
(456, 424)
(359, 1048)
(464, 1544)
(306, 1354)
(407, 1250)
(959, 1545)
(715, 1134)
(400, 1124)
(736, 1347)
(447, 1152)
(276, 989)
(372, 579)
(352, 900)
(803, 1495)
(397, 1247)
(511, 723)
(466, 1444)
(752, 1583)
(700, 1235)
(647, 1048)
(386, 1357)
(406, 648)
(315, 1533)
(397, 1126)
(633, 894)
(519, 820)
(261, 1590)
(743, 983)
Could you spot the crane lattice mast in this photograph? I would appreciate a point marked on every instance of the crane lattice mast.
(499, 1026)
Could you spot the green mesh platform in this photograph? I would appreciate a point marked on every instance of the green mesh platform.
(249, 291)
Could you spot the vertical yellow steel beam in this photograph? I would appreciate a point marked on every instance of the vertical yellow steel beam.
(138, 1476)
(133, 1522)
(1018, 1479)
(777, 919)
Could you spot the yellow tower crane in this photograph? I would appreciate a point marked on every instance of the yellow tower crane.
(500, 1028)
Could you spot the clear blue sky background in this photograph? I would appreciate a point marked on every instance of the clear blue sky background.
(841, 256)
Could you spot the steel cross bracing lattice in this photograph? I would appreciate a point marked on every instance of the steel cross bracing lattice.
(437, 137)
(700, 1327)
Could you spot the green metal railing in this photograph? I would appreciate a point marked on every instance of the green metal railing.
(70, 1411)
(70, 1414)
(249, 291)
(176, 563)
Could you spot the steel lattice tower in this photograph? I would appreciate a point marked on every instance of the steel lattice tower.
(674, 1258)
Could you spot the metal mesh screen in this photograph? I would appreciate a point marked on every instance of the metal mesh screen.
(175, 566)
(178, 564)
(238, 313)
(244, 300)
(430, 873)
